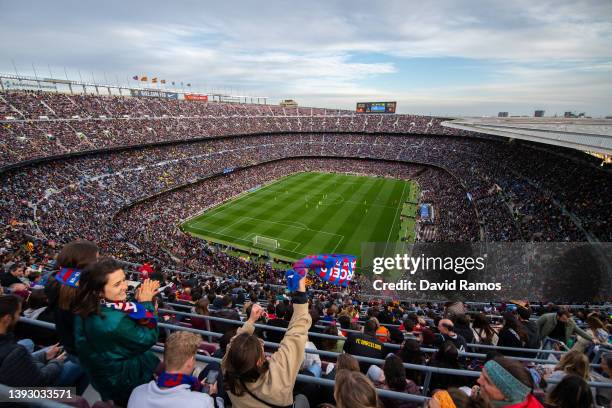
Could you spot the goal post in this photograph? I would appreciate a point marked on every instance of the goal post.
(265, 242)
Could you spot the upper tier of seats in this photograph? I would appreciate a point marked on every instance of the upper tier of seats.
(40, 124)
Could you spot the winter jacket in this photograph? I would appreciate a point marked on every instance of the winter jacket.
(18, 368)
(275, 386)
(457, 340)
(547, 322)
(114, 349)
(7, 279)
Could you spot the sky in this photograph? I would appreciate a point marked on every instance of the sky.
(461, 58)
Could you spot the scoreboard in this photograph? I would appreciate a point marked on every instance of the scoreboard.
(376, 107)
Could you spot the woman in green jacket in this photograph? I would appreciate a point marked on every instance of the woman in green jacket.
(113, 336)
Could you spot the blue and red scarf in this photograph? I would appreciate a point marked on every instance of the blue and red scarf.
(69, 277)
(135, 311)
(167, 380)
(336, 269)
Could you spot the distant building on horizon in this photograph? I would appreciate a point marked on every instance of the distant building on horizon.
(502, 115)
(539, 114)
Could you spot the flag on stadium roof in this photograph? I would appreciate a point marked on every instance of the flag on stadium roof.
(337, 269)
(135, 77)
(188, 84)
(144, 79)
(154, 80)
(163, 81)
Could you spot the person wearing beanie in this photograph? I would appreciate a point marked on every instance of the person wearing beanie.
(506, 383)
(376, 374)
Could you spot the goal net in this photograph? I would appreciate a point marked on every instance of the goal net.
(265, 242)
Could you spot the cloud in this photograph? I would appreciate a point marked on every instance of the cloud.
(546, 52)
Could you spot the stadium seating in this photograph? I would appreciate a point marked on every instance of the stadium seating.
(125, 172)
(259, 291)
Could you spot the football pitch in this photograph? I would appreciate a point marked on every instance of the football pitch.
(311, 213)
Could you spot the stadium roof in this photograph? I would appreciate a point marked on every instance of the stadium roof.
(593, 135)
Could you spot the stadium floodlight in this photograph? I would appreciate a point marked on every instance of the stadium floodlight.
(265, 242)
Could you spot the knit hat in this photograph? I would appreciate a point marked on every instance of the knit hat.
(514, 391)
(376, 374)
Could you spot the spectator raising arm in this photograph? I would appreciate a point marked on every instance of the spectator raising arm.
(250, 380)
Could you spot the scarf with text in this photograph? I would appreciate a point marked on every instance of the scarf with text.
(69, 277)
(135, 311)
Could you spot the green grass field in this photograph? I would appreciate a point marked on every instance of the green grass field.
(311, 213)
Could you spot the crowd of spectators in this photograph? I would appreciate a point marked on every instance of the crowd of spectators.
(39, 124)
(522, 192)
(129, 204)
(112, 345)
(516, 211)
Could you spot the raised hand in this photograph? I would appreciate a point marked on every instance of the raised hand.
(256, 312)
(147, 290)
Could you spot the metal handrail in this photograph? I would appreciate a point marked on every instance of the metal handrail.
(427, 369)
(207, 359)
(332, 337)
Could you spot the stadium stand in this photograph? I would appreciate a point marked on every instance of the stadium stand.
(124, 172)
(422, 318)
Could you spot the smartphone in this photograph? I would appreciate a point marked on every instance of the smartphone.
(211, 378)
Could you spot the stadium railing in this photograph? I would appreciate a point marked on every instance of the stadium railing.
(541, 353)
(429, 371)
(387, 345)
(208, 359)
(334, 354)
(303, 378)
